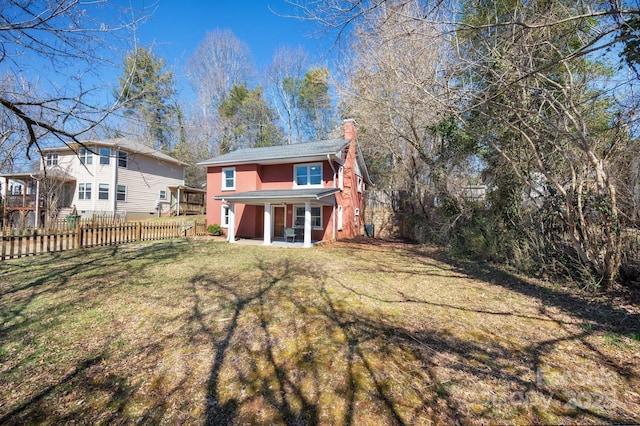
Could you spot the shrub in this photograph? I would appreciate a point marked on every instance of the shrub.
(214, 229)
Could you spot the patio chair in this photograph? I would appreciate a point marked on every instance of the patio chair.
(289, 233)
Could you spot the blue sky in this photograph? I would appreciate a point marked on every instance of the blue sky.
(176, 28)
(179, 26)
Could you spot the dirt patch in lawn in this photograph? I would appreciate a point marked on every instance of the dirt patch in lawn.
(359, 332)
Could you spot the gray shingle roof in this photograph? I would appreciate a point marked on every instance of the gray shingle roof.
(127, 145)
(270, 153)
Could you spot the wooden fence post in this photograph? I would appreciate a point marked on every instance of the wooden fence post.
(138, 231)
(78, 236)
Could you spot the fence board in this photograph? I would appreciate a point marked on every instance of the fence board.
(92, 235)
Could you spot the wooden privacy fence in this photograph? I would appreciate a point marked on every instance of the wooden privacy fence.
(85, 236)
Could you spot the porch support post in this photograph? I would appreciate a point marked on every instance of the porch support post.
(36, 220)
(267, 223)
(307, 224)
(231, 230)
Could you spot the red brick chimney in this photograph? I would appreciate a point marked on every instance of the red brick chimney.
(349, 129)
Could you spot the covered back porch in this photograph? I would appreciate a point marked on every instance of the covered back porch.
(296, 215)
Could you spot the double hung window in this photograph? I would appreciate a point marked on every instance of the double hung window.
(229, 178)
(308, 175)
(316, 217)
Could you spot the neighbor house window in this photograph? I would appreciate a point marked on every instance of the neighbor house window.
(123, 159)
(339, 218)
(52, 159)
(360, 184)
(103, 191)
(84, 191)
(308, 174)
(86, 157)
(121, 193)
(229, 178)
(316, 217)
(224, 216)
(105, 155)
(341, 177)
(163, 194)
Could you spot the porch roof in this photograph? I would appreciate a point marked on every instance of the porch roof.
(289, 196)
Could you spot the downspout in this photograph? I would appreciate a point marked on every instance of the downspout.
(333, 212)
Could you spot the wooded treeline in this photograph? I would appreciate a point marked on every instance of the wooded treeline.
(535, 100)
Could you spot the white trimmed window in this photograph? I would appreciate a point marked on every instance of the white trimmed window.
(224, 216)
(103, 191)
(52, 159)
(360, 184)
(307, 175)
(163, 194)
(84, 191)
(341, 177)
(316, 217)
(105, 155)
(339, 218)
(121, 192)
(123, 159)
(228, 178)
(85, 156)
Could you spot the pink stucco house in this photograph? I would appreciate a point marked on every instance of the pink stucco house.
(312, 189)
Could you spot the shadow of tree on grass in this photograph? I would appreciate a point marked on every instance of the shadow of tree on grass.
(291, 339)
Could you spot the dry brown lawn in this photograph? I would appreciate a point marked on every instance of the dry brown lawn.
(367, 332)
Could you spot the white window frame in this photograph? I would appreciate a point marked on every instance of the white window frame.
(341, 177)
(163, 194)
(84, 191)
(360, 184)
(123, 157)
(105, 156)
(339, 218)
(103, 191)
(52, 159)
(85, 156)
(121, 190)
(225, 186)
(224, 216)
(298, 220)
(308, 166)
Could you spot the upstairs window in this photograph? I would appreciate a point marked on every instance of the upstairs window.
(86, 157)
(105, 155)
(360, 184)
(229, 178)
(308, 174)
(123, 159)
(52, 159)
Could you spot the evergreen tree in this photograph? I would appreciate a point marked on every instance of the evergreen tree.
(247, 120)
(149, 90)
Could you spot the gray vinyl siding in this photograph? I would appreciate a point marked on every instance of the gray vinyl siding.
(144, 178)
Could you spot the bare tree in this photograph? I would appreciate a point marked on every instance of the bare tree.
(283, 76)
(527, 85)
(61, 43)
(220, 62)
